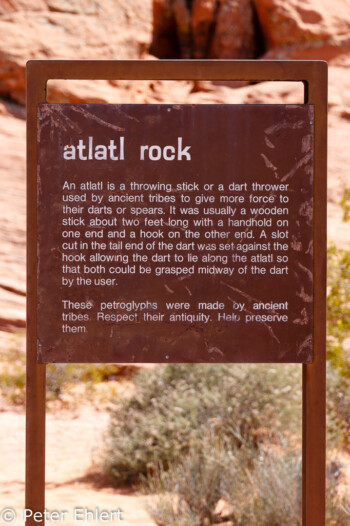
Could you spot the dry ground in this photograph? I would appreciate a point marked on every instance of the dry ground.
(74, 440)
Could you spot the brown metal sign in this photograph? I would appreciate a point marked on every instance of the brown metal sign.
(175, 233)
(284, 151)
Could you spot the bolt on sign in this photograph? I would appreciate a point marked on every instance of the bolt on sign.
(175, 233)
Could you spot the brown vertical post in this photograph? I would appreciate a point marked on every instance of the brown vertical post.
(314, 374)
(35, 393)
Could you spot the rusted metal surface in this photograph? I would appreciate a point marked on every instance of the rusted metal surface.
(314, 76)
(35, 373)
(243, 145)
(314, 375)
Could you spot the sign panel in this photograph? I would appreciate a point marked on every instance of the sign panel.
(175, 233)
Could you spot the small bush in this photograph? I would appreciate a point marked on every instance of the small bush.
(60, 378)
(174, 406)
(270, 493)
(338, 301)
(338, 409)
(338, 504)
(13, 370)
(189, 491)
(216, 485)
(345, 204)
(338, 309)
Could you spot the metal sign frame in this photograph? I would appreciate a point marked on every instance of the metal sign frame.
(313, 75)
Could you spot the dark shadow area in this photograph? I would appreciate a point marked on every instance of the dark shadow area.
(95, 479)
(13, 108)
(183, 29)
(260, 45)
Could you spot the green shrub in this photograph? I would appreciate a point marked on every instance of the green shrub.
(13, 370)
(338, 503)
(189, 491)
(338, 300)
(173, 406)
(60, 378)
(270, 493)
(345, 204)
(338, 309)
(338, 338)
(338, 409)
(215, 484)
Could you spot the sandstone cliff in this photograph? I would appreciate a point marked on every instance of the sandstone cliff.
(109, 29)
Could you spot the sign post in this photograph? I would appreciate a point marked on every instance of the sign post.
(178, 233)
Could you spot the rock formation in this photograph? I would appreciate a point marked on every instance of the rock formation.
(203, 29)
(224, 29)
(100, 29)
(314, 29)
(68, 29)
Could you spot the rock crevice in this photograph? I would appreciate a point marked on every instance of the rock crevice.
(237, 29)
(216, 29)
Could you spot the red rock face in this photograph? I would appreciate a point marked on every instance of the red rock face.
(218, 29)
(67, 29)
(164, 38)
(203, 25)
(234, 35)
(11, 6)
(113, 29)
(224, 29)
(182, 16)
(304, 29)
(204, 28)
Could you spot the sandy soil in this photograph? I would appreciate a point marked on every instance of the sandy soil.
(74, 441)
